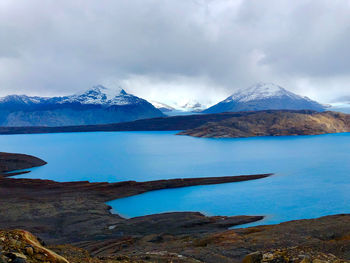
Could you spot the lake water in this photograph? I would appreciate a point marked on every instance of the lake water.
(312, 172)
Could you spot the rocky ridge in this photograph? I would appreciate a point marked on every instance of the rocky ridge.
(19, 246)
(76, 211)
(274, 123)
(291, 255)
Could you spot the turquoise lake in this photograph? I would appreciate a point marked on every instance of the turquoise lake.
(312, 173)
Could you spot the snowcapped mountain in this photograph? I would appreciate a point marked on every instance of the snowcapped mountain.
(13, 101)
(94, 106)
(184, 106)
(264, 96)
(192, 106)
(99, 95)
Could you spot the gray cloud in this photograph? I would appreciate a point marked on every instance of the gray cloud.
(171, 49)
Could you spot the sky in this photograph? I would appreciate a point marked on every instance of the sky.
(175, 50)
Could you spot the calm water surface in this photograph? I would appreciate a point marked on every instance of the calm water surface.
(312, 172)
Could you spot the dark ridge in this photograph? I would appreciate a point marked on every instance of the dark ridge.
(14, 161)
(274, 124)
(174, 123)
(76, 211)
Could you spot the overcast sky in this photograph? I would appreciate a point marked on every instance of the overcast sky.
(173, 50)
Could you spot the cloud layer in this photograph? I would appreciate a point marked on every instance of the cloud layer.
(174, 49)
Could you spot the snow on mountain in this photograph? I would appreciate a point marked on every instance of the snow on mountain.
(261, 91)
(184, 105)
(162, 106)
(193, 106)
(100, 95)
(264, 96)
(188, 105)
(23, 99)
(95, 106)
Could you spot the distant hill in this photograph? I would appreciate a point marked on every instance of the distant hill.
(274, 123)
(231, 124)
(264, 96)
(162, 106)
(183, 107)
(98, 105)
(174, 123)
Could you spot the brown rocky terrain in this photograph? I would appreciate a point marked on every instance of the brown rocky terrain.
(292, 254)
(321, 240)
(274, 123)
(75, 211)
(75, 214)
(19, 246)
(15, 161)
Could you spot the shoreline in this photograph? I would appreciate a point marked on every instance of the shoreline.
(217, 125)
(55, 211)
(75, 213)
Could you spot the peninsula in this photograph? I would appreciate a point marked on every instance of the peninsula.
(75, 214)
(274, 123)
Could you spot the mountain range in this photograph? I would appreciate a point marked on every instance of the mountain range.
(95, 106)
(264, 96)
(176, 107)
(100, 105)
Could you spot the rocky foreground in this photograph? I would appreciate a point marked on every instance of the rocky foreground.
(19, 246)
(73, 219)
(274, 123)
(76, 211)
(319, 240)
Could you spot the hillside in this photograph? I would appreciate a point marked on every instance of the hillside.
(238, 124)
(264, 96)
(174, 123)
(274, 123)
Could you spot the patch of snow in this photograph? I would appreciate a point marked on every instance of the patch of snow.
(189, 105)
(160, 105)
(23, 99)
(261, 91)
(340, 105)
(98, 95)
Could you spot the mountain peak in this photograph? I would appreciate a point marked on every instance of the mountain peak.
(96, 105)
(122, 92)
(267, 86)
(261, 90)
(105, 96)
(264, 96)
(110, 93)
